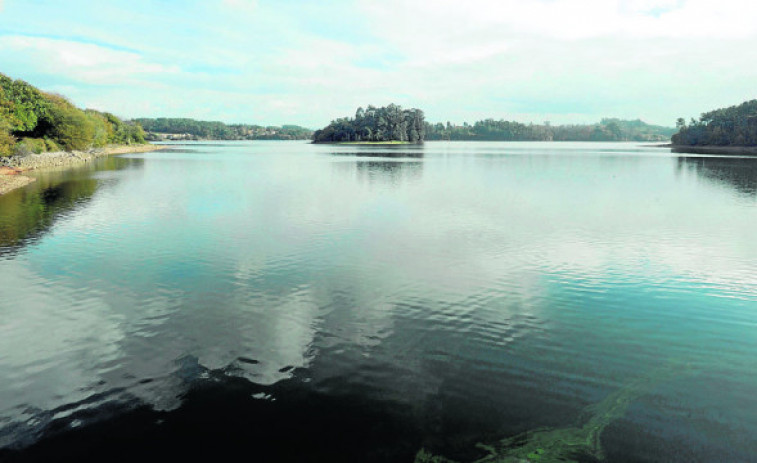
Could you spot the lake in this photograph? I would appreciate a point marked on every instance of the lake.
(298, 302)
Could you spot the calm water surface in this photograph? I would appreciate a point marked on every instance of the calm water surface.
(306, 302)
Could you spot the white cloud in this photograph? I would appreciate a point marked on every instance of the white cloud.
(505, 58)
(565, 19)
(257, 61)
(84, 62)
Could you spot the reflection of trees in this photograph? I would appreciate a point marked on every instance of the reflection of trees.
(738, 173)
(29, 212)
(388, 171)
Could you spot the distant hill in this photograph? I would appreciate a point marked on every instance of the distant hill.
(731, 126)
(638, 130)
(169, 128)
(32, 121)
(608, 129)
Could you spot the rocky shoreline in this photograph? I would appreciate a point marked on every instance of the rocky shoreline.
(12, 168)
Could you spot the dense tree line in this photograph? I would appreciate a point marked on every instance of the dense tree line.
(389, 123)
(609, 129)
(215, 130)
(35, 121)
(735, 125)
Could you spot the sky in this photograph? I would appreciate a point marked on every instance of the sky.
(308, 62)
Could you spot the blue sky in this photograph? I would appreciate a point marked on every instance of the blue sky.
(307, 62)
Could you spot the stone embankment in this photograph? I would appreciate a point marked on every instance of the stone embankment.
(12, 167)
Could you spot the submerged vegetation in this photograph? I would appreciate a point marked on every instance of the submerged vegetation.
(735, 125)
(169, 128)
(575, 443)
(32, 121)
(385, 124)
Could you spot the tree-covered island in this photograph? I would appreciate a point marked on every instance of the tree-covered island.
(386, 125)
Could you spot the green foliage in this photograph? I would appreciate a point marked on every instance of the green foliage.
(201, 129)
(51, 145)
(70, 126)
(493, 130)
(6, 143)
(100, 125)
(214, 130)
(28, 146)
(21, 104)
(376, 124)
(735, 125)
(7, 110)
(6, 139)
(136, 133)
(125, 133)
(48, 122)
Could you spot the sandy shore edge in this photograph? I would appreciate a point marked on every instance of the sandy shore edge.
(12, 168)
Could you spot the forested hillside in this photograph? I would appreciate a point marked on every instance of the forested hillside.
(390, 123)
(183, 128)
(32, 121)
(735, 125)
(492, 130)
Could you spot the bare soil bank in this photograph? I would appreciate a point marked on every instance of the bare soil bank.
(12, 167)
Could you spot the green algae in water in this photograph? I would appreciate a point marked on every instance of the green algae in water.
(572, 444)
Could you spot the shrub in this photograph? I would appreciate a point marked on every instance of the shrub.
(28, 146)
(51, 145)
(71, 128)
(100, 128)
(7, 141)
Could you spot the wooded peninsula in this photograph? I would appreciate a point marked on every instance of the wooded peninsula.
(731, 126)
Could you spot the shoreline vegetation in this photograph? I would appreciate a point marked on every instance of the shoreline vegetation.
(731, 130)
(42, 130)
(12, 168)
(174, 128)
(34, 122)
(608, 130)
